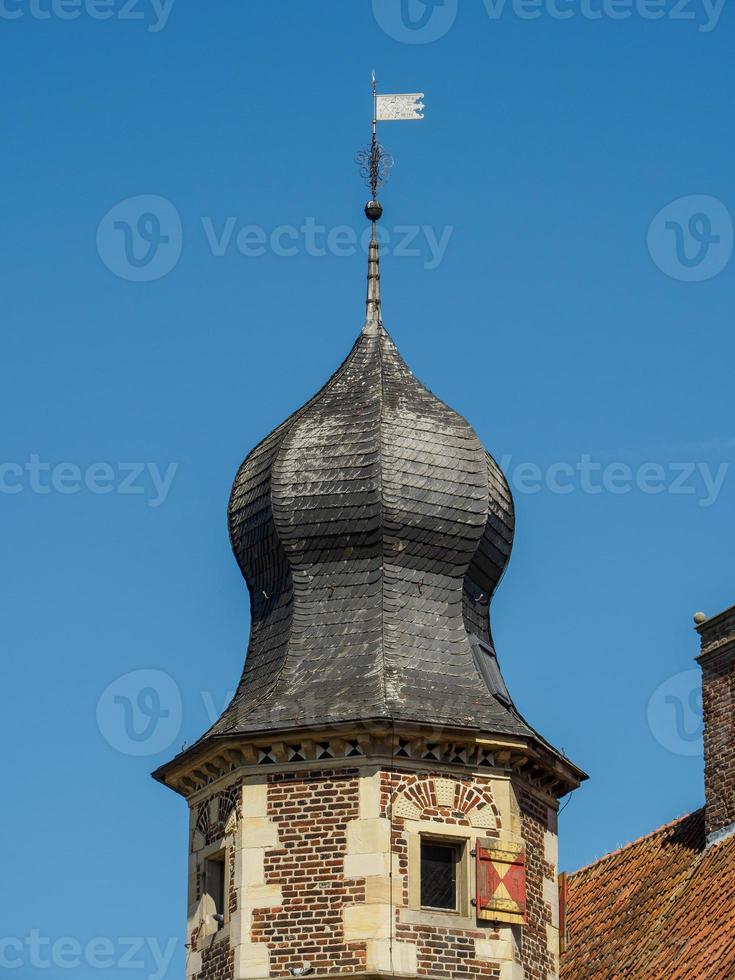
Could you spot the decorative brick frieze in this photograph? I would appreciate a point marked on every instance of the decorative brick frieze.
(538, 768)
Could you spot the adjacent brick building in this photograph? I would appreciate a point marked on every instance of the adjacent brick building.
(664, 906)
(372, 803)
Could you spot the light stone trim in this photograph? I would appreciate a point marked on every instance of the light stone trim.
(255, 797)
(193, 962)
(366, 922)
(504, 951)
(551, 897)
(370, 865)
(551, 838)
(552, 943)
(256, 834)
(252, 961)
(368, 855)
(512, 971)
(369, 787)
(394, 958)
(371, 836)
(510, 811)
(259, 832)
(551, 848)
(494, 949)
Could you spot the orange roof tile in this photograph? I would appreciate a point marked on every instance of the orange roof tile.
(661, 908)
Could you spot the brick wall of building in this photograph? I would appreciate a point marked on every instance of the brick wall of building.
(323, 894)
(311, 812)
(717, 659)
(441, 950)
(537, 958)
(218, 963)
(718, 702)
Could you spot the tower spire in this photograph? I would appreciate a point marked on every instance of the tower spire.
(375, 164)
(373, 317)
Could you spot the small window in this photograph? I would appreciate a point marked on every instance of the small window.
(214, 873)
(439, 875)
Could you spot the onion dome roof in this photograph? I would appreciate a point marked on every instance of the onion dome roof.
(372, 528)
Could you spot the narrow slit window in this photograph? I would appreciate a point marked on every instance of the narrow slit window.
(439, 875)
(215, 884)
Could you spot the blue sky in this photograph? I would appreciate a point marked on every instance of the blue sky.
(559, 270)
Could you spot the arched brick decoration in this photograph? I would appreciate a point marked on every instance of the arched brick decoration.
(216, 817)
(459, 801)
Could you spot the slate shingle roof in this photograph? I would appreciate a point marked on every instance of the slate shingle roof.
(372, 528)
(662, 908)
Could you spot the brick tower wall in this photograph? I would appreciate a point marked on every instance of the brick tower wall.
(323, 870)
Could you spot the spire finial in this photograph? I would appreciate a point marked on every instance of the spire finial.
(373, 316)
(375, 164)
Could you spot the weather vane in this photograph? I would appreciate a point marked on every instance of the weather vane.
(374, 161)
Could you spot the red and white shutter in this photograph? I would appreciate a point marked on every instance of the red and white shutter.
(501, 881)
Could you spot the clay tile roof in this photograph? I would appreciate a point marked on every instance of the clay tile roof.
(661, 907)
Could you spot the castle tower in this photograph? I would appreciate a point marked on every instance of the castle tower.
(371, 803)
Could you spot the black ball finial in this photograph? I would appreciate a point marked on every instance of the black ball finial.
(373, 210)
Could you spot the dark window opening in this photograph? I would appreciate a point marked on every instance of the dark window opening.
(439, 865)
(215, 883)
